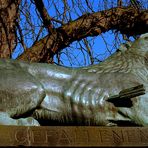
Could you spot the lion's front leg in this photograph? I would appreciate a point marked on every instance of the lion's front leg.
(5, 119)
(20, 92)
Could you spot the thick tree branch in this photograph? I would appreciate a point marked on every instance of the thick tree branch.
(126, 20)
(44, 15)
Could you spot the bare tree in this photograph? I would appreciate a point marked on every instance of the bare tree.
(48, 29)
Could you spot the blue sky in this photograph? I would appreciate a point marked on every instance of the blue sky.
(102, 46)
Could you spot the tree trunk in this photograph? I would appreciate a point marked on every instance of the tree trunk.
(8, 17)
(127, 20)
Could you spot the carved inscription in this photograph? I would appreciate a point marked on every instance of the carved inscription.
(118, 137)
(21, 136)
(143, 136)
(73, 136)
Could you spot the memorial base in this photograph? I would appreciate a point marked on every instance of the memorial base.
(75, 136)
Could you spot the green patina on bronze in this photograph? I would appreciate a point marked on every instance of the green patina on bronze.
(105, 94)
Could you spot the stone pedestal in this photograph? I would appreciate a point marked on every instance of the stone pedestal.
(76, 136)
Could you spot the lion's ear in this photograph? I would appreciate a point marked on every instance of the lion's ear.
(144, 35)
(141, 44)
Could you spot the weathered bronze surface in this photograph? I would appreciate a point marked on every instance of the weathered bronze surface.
(73, 136)
(105, 94)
